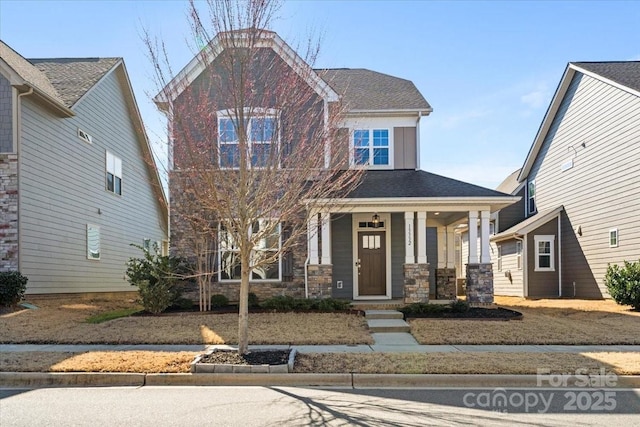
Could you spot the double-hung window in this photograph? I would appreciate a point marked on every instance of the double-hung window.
(531, 197)
(371, 147)
(265, 264)
(114, 174)
(544, 246)
(261, 137)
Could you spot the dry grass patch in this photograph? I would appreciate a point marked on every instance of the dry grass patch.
(465, 363)
(551, 321)
(63, 321)
(98, 361)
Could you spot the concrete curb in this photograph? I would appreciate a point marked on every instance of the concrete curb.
(346, 380)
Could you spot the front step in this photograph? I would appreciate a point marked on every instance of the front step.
(383, 314)
(388, 325)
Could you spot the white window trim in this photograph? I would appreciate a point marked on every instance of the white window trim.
(95, 227)
(116, 171)
(545, 238)
(617, 234)
(219, 263)
(85, 136)
(250, 114)
(519, 254)
(499, 257)
(370, 165)
(528, 204)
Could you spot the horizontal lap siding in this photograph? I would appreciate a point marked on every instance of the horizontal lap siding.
(501, 283)
(542, 283)
(62, 186)
(600, 192)
(342, 255)
(397, 255)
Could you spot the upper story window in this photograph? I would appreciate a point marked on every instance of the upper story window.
(613, 238)
(262, 140)
(371, 147)
(114, 174)
(531, 197)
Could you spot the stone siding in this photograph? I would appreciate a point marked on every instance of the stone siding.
(416, 283)
(320, 279)
(480, 283)
(8, 212)
(232, 290)
(446, 283)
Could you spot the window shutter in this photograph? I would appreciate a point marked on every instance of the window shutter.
(287, 257)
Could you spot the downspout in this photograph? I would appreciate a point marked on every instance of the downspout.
(418, 140)
(560, 256)
(19, 160)
(306, 278)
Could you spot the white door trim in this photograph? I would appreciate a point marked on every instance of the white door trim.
(355, 219)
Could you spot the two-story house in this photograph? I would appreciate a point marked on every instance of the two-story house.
(579, 208)
(78, 184)
(390, 238)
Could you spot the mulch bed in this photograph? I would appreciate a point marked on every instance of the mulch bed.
(474, 313)
(232, 309)
(231, 357)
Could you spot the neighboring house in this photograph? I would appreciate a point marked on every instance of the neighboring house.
(391, 238)
(77, 181)
(579, 185)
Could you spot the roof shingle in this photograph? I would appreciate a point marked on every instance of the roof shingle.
(363, 89)
(626, 73)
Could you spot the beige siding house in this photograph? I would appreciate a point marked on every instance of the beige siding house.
(78, 184)
(580, 184)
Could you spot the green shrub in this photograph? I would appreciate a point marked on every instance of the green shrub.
(288, 303)
(182, 303)
(12, 287)
(623, 283)
(279, 302)
(423, 308)
(157, 278)
(332, 304)
(253, 300)
(219, 300)
(459, 306)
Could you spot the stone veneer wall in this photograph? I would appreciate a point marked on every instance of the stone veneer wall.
(232, 290)
(8, 212)
(319, 280)
(445, 283)
(480, 283)
(416, 283)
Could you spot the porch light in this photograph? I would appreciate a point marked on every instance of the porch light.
(375, 220)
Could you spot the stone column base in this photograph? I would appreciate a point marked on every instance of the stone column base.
(480, 283)
(319, 281)
(416, 283)
(446, 283)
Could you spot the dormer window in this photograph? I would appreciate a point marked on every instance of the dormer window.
(371, 147)
(262, 139)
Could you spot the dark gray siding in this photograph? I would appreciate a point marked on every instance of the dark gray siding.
(62, 189)
(432, 258)
(6, 116)
(542, 283)
(513, 214)
(600, 191)
(397, 255)
(404, 147)
(342, 255)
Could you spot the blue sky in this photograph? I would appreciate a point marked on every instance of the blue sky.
(489, 69)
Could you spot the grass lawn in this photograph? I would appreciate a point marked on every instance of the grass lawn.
(64, 321)
(383, 363)
(548, 321)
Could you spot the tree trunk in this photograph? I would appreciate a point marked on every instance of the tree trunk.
(243, 304)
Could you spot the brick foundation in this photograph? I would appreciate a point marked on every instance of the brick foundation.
(446, 283)
(8, 212)
(319, 280)
(416, 283)
(480, 283)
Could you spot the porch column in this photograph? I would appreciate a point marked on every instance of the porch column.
(451, 247)
(422, 237)
(485, 255)
(473, 237)
(409, 251)
(325, 219)
(442, 246)
(312, 239)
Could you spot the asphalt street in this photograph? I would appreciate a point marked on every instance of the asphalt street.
(291, 406)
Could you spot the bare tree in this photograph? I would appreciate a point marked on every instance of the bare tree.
(254, 144)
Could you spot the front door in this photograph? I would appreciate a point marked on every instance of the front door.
(371, 263)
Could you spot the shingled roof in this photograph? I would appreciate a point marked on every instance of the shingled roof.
(73, 77)
(368, 90)
(416, 183)
(626, 73)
